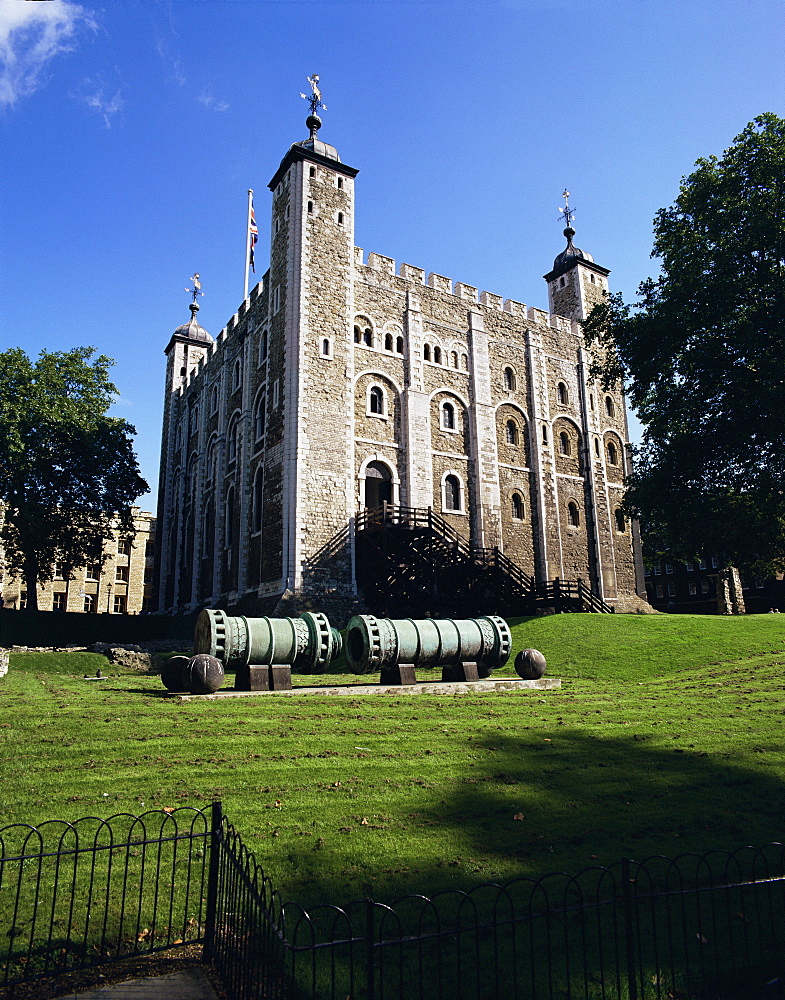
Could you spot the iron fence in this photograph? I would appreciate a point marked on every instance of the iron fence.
(99, 890)
(694, 927)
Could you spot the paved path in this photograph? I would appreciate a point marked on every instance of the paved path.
(191, 984)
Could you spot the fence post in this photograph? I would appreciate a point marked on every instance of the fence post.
(216, 825)
(629, 928)
(370, 974)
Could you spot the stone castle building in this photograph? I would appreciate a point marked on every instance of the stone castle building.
(119, 581)
(343, 382)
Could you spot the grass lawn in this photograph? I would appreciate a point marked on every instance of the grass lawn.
(665, 737)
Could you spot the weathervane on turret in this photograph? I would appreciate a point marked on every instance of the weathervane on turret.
(313, 121)
(315, 100)
(567, 214)
(196, 291)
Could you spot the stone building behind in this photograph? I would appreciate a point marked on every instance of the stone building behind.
(119, 581)
(344, 382)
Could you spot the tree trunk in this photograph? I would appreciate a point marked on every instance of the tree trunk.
(31, 582)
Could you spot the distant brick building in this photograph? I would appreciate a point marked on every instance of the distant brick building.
(343, 383)
(122, 584)
(691, 588)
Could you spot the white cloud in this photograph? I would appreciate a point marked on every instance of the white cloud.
(210, 101)
(32, 33)
(95, 96)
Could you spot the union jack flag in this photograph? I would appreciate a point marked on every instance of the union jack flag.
(254, 233)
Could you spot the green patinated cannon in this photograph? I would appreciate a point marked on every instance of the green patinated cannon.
(466, 650)
(263, 651)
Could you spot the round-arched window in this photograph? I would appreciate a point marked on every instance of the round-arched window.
(448, 416)
(509, 379)
(562, 394)
(517, 507)
(565, 448)
(613, 454)
(610, 408)
(621, 524)
(573, 514)
(511, 432)
(376, 400)
(452, 493)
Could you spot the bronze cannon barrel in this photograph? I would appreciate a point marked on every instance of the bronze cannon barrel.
(465, 649)
(254, 646)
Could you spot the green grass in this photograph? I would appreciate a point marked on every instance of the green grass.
(665, 737)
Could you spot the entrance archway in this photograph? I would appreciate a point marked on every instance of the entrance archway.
(378, 485)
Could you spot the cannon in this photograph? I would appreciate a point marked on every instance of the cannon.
(263, 651)
(466, 650)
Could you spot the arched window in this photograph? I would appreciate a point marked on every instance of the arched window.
(509, 379)
(544, 434)
(357, 335)
(517, 507)
(236, 376)
(340, 218)
(596, 447)
(452, 493)
(465, 362)
(213, 399)
(562, 394)
(399, 345)
(376, 400)
(565, 446)
(232, 440)
(228, 516)
(368, 337)
(258, 499)
(448, 416)
(454, 359)
(591, 400)
(263, 347)
(621, 524)
(388, 342)
(325, 347)
(260, 418)
(426, 352)
(613, 454)
(194, 420)
(437, 355)
(610, 409)
(178, 438)
(511, 432)
(573, 515)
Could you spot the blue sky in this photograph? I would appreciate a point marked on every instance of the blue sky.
(131, 130)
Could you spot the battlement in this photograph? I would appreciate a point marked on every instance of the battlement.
(469, 294)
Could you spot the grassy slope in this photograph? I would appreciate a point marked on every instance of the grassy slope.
(664, 737)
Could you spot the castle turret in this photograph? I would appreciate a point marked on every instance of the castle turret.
(189, 345)
(311, 313)
(575, 283)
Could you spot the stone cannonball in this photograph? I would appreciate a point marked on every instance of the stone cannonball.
(204, 673)
(530, 664)
(173, 673)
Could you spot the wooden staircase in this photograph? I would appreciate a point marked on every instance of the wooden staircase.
(410, 561)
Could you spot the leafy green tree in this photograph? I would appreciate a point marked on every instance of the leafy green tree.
(68, 473)
(702, 357)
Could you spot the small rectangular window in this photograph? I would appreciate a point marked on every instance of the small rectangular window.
(660, 590)
(693, 588)
(119, 604)
(658, 570)
(58, 602)
(668, 567)
(276, 393)
(671, 590)
(121, 574)
(702, 564)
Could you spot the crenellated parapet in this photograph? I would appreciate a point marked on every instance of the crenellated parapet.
(415, 279)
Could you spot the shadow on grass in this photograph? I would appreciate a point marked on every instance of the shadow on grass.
(531, 805)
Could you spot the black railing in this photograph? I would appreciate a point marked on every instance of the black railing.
(697, 926)
(564, 595)
(94, 891)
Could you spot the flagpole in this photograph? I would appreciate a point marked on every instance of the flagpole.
(248, 243)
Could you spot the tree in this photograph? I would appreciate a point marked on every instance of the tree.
(68, 473)
(702, 358)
